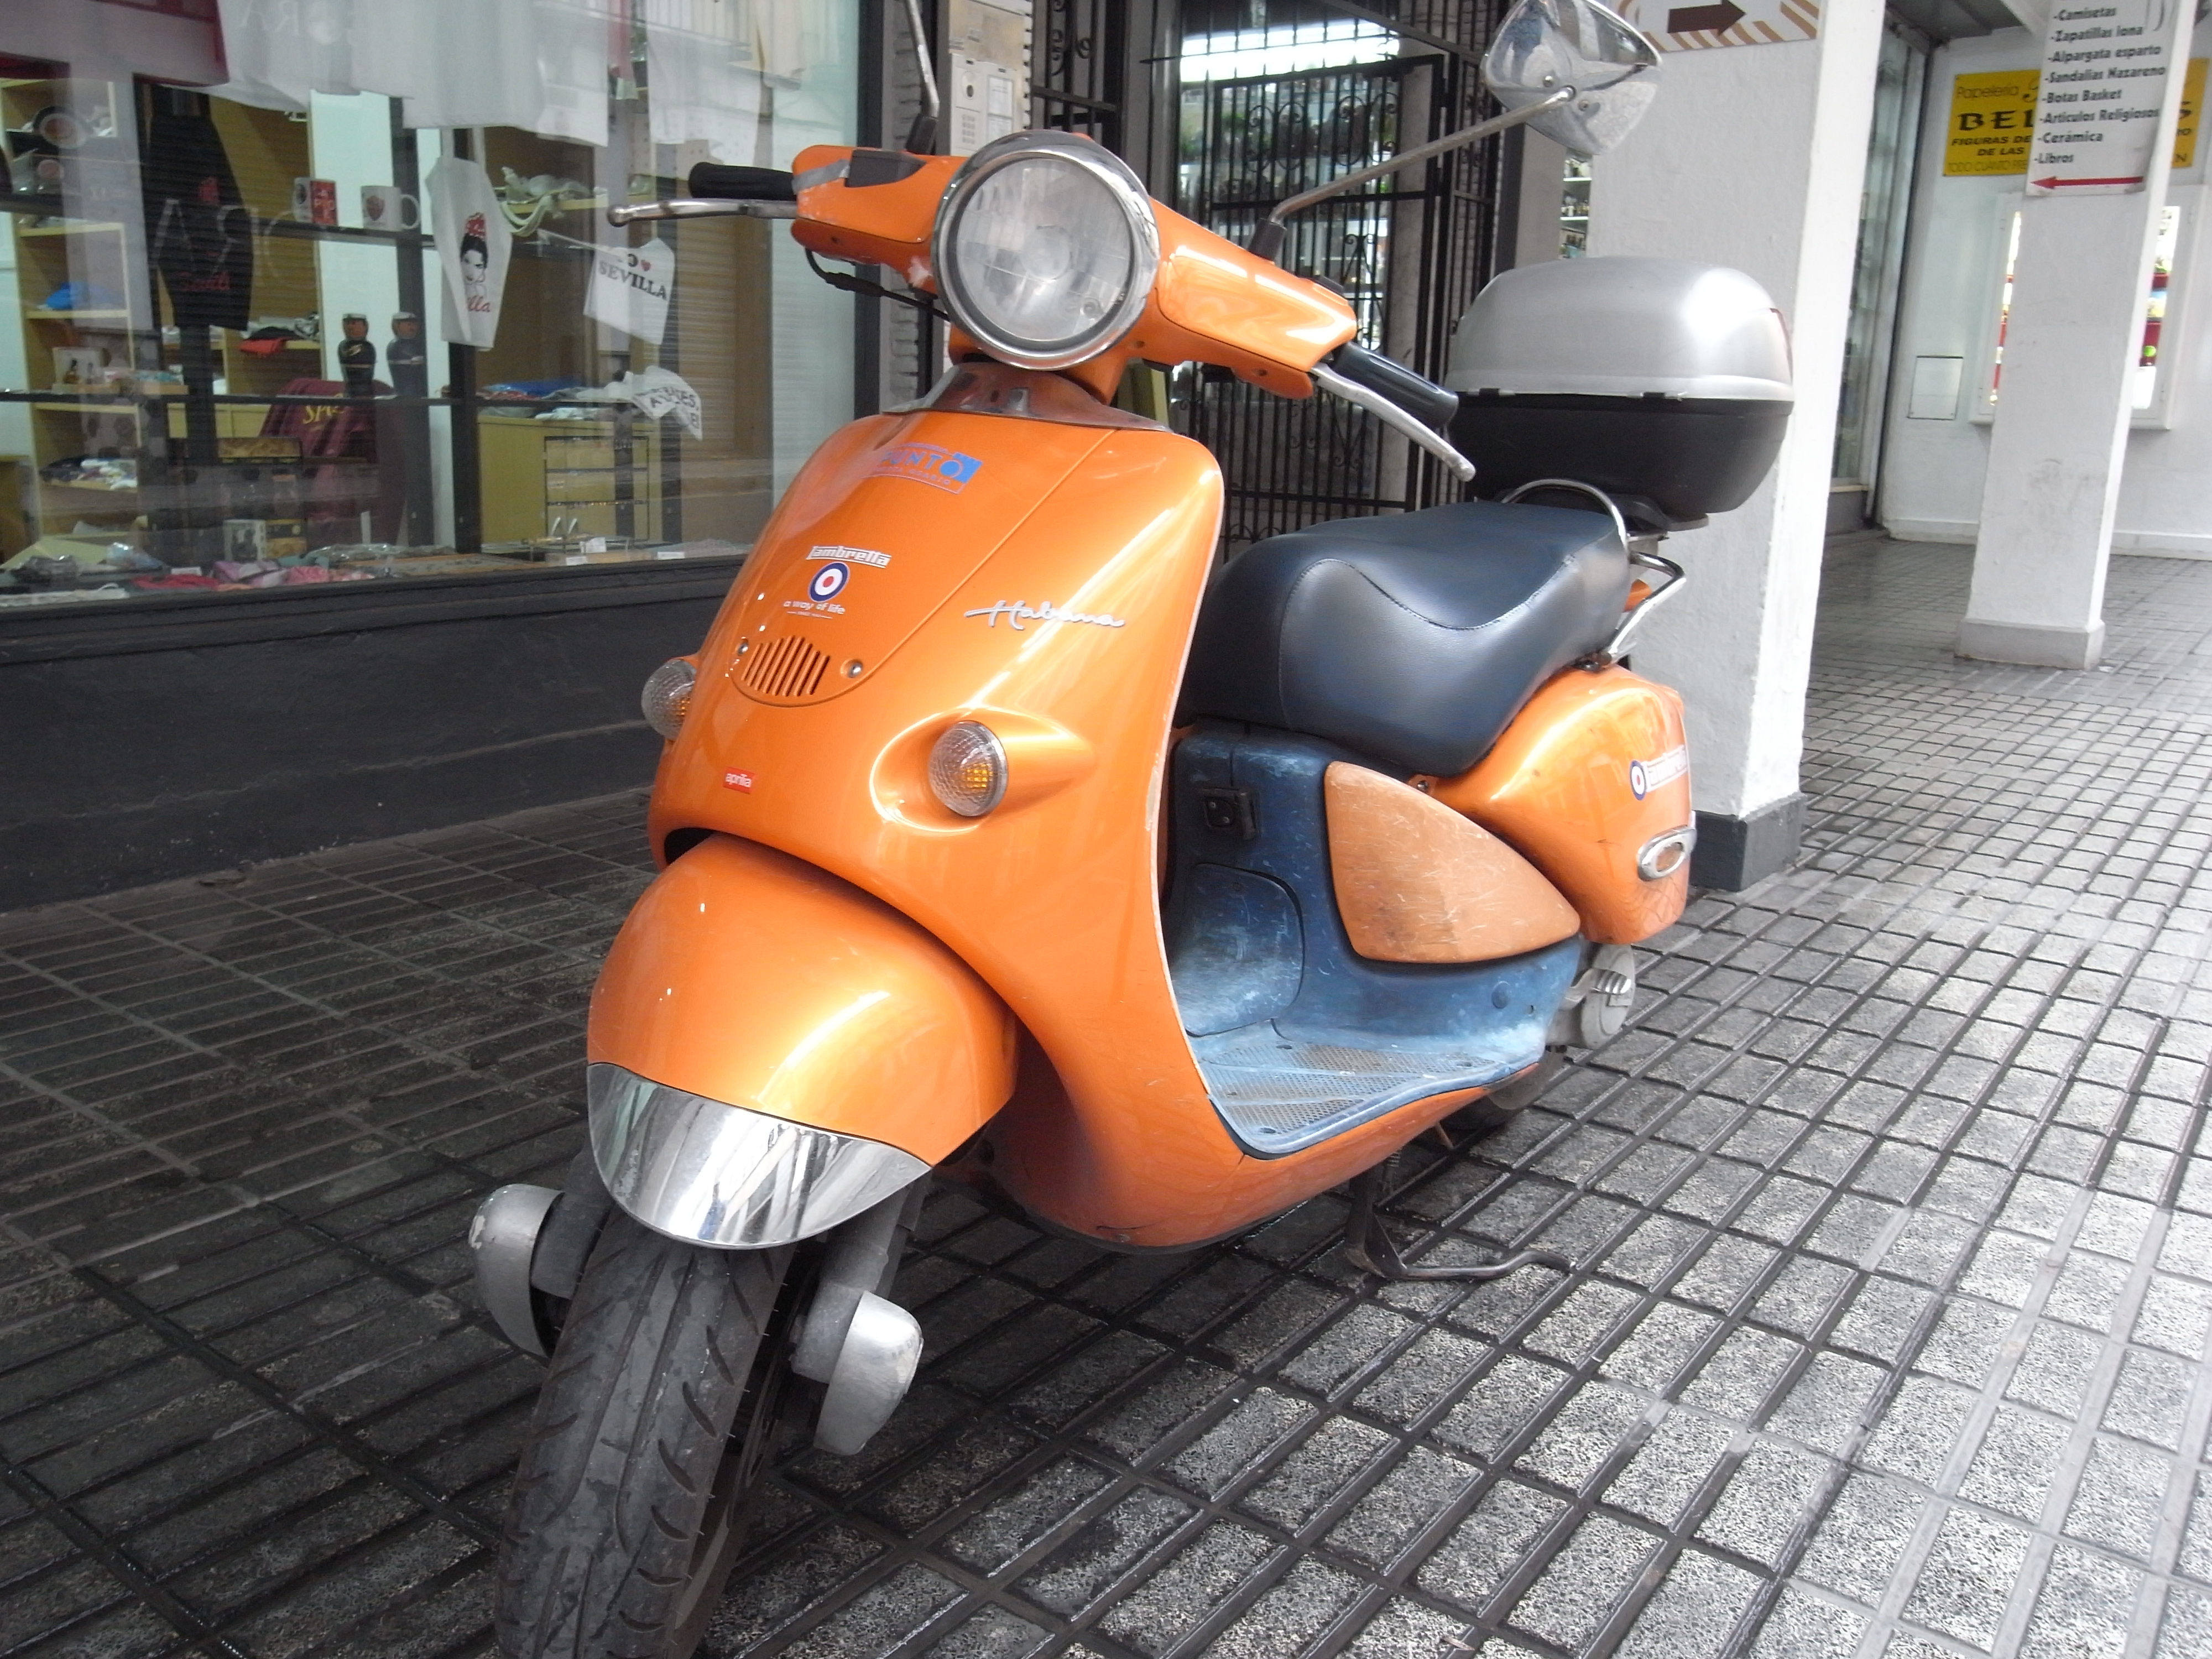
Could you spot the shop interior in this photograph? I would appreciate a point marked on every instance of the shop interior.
(228, 357)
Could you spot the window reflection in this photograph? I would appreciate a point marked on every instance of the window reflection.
(285, 311)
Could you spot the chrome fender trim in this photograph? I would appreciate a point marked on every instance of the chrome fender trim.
(710, 1173)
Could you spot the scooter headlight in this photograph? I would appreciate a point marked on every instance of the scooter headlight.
(1045, 248)
(968, 770)
(667, 695)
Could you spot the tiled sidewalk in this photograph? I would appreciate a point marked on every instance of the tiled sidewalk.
(1886, 1337)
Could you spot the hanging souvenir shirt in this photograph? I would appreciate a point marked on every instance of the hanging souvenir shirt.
(538, 65)
(474, 245)
(198, 234)
(705, 76)
(660, 392)
(631, 287)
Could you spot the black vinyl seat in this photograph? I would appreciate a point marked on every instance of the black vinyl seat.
(1414, 639)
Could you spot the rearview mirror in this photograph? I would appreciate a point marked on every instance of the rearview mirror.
(1545, 44)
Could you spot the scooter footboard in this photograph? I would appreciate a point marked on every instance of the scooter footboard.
(773, 1050)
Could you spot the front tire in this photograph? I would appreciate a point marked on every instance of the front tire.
(648, 1444)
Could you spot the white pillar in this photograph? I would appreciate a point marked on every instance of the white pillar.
(2059, 439)
(1753, 156)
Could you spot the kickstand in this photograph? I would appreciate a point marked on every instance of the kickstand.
(1367, 1242)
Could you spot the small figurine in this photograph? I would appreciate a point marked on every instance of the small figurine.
(357, 356)
(407, 356)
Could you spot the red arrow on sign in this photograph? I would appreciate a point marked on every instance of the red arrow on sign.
(2062, 184)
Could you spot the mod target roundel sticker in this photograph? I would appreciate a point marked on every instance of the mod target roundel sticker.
(829, 581)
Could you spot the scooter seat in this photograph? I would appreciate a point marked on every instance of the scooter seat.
(1414, 639)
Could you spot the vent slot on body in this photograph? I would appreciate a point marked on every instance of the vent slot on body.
(787, 667)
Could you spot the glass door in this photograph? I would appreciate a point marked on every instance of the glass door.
(1893, 146)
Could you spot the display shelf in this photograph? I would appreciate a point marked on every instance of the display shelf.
(266, 150)
(538, 472)
(83, 500)
(301, 230)
(54, 403)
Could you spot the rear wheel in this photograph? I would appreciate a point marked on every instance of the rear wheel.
(648, 1443)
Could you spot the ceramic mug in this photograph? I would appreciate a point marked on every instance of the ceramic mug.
(386, 207)
(315, 201)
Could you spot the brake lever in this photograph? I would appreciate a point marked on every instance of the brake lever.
(694, 207)
(1395, 418)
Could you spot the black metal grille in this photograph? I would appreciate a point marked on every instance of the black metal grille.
(1410, 252)
(1076, 66)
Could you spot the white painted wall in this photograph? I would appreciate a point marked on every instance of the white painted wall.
(1753, 157)
(1933, 470)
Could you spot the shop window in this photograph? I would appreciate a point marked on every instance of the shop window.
(282, 313)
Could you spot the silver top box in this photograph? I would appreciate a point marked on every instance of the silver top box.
(1623, 326)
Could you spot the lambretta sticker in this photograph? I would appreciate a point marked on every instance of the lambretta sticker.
(866, 556)
(1644, 776)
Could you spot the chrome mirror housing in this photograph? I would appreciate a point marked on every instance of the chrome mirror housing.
(1546, 45)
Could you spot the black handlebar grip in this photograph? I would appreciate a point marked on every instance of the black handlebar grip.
(1424, 399)
(714, 183)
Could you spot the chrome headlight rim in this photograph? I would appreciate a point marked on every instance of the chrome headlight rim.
(1129, 194)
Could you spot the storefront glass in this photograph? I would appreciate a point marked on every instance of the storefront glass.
(295, 292)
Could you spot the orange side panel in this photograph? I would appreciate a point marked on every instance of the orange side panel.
(1592, 768)
(751, 978)
(1416, 882)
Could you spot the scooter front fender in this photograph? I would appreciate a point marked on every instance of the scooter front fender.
(773, 1050)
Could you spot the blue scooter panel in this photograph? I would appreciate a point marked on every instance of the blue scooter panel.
(1299, 1037)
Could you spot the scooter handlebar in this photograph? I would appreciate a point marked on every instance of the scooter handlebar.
(1418, 395)
(721, 192)
(711, 182)
(1359, 376)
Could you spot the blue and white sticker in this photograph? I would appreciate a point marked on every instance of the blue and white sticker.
(1644, 776)
(829, 581)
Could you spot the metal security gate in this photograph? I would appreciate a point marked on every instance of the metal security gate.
(1077, 68)
(1409, 252)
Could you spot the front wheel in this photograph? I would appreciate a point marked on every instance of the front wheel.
(648, 1441)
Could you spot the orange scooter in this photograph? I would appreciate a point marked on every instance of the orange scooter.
(996, 846)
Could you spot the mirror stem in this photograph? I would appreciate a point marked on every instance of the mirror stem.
(921, 138)
(1267, 240)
